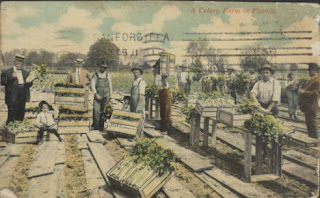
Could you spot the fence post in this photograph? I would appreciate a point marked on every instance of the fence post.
(214, 133)
(258, 157)
(247, 155)
(206, 131)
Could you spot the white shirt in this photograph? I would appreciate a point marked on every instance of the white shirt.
(142, 85)
(101, 75)
(267, 91)
(19, 75)
(78, 75)
(46, 119)
(183, 77)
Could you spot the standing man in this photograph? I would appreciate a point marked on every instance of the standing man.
(156, 73)
(184, 80)
(229, 85)
(138, 88)
(101, 86)
(80, 76)
(293, 96)
(266, 93)
(309, 100)
(17, 89)
(165, 104)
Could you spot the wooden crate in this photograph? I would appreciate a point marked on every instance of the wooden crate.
(147, 190)
(231, 118)
(211, 112)
(25, 137)
(167, 63)
(73, 126)
(72, 101)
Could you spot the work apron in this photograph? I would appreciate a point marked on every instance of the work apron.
(102, 87)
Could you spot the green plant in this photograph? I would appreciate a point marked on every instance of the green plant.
(215, 99)
(266, 126)
(189, 111)
(107, 110)
(21, 126)
(177, 95)
(67, 85)
(151, 90)
(247, 107)
(151, 154)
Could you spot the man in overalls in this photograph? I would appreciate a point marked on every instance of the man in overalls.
(101, 86)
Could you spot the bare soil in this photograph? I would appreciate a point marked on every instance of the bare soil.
(19, 183)
(75, 179)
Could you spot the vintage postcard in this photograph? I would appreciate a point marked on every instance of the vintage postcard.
(159, 99)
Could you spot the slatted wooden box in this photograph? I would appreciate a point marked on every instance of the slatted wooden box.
(22, 137)
(232, 118)
(211, 112)
(72, 101)
(146, 190)
(73, 126)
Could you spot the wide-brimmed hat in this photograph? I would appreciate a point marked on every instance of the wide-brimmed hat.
(103, 63)
(20, 57)
(266, 67)
(137, 68)
(79, 60)
(43, 102)
(313, 66)
(126, 98)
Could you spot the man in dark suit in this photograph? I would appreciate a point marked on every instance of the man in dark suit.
(310, 96)
(17, 89)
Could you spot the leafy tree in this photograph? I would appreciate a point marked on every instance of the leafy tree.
(257, 56)
(215, 59)
(67, 60)
(197, 48)
(10, 55)
(41, 56)
(103, 49)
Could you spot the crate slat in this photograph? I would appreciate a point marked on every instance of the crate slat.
(127, 114)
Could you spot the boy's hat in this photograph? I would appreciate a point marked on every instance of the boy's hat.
(126, 98)
(43, 102)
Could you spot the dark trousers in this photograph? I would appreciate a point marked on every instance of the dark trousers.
(16, 111)
(165, 109)
(43, 129)
(311, 121)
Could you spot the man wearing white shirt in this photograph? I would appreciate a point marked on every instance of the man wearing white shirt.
(101, 86)
(17, 89)
(266, 93)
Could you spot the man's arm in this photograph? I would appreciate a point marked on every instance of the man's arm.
(110, 85)
(254, 93)
(142, 89)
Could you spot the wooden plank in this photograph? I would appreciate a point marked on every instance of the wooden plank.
(126, 143)
(234, 184)
(3, 144)
(68, 89)
(216, 186)
(300, 172)
(82, 141)
(6, 172)
(28, 134)
(102, 157)
(124, 122)
(60, 154)
(214, 133)
(122, 131)
(234, 141)
(247, 156)
(26, 140)
(94, 178)
(206, 132)
(63, 123)
(258, 157)
(73, 130)
(12, 150)
(191, 159)
(126, 114)
(301, 159)
(152, 133)
(69, 99)
(95, 136)
(44, 160)
(3, 159)
(264, 177)
(59, 173)
(175, 189)
(303, 139)
(196, 138)
(45, 186)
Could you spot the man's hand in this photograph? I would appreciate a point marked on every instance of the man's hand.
(98, 97)
(301, 91)
(14, 74)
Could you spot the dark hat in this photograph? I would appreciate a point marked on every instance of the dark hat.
(20, 57)
(137, 68)
(313, 66)
(79, 60)
(268, 68)
(103, 63)
(43, 102)
(126, 98)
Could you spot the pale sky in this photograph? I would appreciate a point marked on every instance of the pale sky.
(74, 26)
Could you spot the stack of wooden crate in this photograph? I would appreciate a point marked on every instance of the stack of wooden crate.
(73, 109)
(209, 111)
(232, 118)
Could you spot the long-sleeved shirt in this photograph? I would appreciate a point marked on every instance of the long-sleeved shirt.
(101, 75)
(19, 75)
(142, 85)
(47, 119)
(267, 92)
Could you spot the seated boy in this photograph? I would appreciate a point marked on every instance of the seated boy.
(126, 104)
(45, 121)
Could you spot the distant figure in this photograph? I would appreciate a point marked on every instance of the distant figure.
(101, 86)
(293, 96)
(253, 78)
(266, 93)
(165, 104)
(46, 121)
(156, 73)
(138, 88)
(17, 89)
(310, 100)
(126, 104)
(184, 80)
(231, 74)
